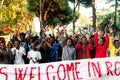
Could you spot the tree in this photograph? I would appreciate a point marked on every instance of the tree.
(54, 11)
(86, 3)
(13, 12)
(94, 14)
(106, 19)
(115, 12)
(76, 4)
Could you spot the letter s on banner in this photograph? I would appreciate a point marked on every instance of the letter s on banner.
(3, 73)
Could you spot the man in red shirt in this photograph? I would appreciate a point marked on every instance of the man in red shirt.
(83, 49)
(101, 45)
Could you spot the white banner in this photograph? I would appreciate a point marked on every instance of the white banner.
(86, 69)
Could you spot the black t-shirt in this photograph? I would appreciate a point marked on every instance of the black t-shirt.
(45, 53)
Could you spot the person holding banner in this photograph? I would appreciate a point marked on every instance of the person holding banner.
(53, 51)
(114, 44)
(69, 52)
(34, 56)
(114, 48)
(101, 43)
(45, 48)
(5, 56)
(83, 48)
(18, 53)
(24, 43)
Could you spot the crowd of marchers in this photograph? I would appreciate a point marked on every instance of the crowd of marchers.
(34, 49)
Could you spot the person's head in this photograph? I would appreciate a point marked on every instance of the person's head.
(69, 42)
(102, 33)
(14, 35)
(36, 39)
(60, 30)
(52, 40)
(91, 40)
(75, 35)
(22, 36)
(118, 36)
(2, 40)
(101, 41)
(116, 43)
(110, 30)
(2, 46)
(45, 45)
(17, 44)
(30, 40)
(9, 45)
(42, 33)
(33, 46)
(75, 39)
(84, 40)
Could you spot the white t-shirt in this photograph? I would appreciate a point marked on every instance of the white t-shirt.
(18, 56)
(36, 55)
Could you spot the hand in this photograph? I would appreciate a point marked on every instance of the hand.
(43, 40)
(30, 58)
(30, 27)
(79, 40)
(24, 52)
(88, 36)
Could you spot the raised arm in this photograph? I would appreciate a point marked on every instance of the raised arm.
(106, 44)
(96, 39)
(110, 42)
(78, 46)
(89, 47)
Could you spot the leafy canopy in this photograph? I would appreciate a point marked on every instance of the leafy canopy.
(54, 11)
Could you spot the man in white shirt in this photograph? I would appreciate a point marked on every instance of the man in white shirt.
(34, 56)
(18, 52)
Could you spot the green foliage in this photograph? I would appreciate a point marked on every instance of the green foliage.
(85, 3)
(13, 12)
(110, 18)
(54, 11)
(118, 20)
(107, 21)
(32, 6)
(109, 1)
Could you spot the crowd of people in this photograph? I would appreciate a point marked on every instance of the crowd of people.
(34, 49)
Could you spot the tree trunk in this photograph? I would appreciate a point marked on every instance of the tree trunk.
(94, 14)
(74, 18)
(41, 12)
(115, 14)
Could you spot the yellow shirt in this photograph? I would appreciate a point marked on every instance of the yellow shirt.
(112, 48)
